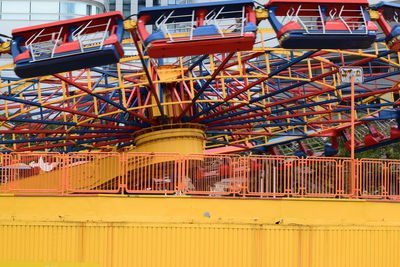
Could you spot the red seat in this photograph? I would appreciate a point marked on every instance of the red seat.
(374, 137)
(274, 151)
(24, 55)
(291, 26)
(306, 149)
(394, 132)
(335, 26)
(68, 47)
(370, 140)
(375, 133)
(225, 170)
(357, 144)
(347, 145)
(372, 26)
(199, 174)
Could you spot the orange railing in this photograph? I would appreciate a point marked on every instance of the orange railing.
(5, 172)
(32, 173)
(378, 178)
(151, 173)
(212, 174)
(198, 174)
(91, 173)
(291, 176)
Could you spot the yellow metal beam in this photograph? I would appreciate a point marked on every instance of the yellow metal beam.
(374, 14)
(261, 14)
(130, 25)
(5, 47)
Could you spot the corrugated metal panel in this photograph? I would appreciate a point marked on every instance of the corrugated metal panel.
(130, 244)
(180, 231)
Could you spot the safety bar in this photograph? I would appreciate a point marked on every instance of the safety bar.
(310, 23)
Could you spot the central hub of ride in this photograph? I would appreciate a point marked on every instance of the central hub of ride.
(185, 138)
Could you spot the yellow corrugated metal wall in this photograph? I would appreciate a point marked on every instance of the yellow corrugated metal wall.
(201, 245)
(226, 241)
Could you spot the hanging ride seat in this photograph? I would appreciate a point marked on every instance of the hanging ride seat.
(393, 39)
(196, 29)
(155, 36)
(335, 26)
(288, 28)
(68, 45)
(374, 137)
(312, 24)
(394, 132)
(347, 136)
(389, 13)
(207, 30)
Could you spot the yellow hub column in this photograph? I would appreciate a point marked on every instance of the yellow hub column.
(185, 138)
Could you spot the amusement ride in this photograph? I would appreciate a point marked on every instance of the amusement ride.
(208, 68)
(218, 105)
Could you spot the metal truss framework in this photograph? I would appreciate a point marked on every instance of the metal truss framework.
(246, 100)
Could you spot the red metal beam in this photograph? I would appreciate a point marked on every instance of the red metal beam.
(86, 90)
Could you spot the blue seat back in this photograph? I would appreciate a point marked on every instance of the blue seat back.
(158, 35)
(205, 30)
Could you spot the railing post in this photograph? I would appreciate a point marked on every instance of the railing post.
(15, 176)
(63, 165)
(181, 179)
(339, 178)
(123, 162)
(287, 177)
(244, 175)
(354, 178)
(68, 172)
(6, 173)
(385, 184)
(301, 178)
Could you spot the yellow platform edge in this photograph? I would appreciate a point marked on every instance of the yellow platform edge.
(142, 230)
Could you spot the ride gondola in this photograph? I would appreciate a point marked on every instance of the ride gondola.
(312, 24)
(387, 13)
(196, 29)
(68, 45)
